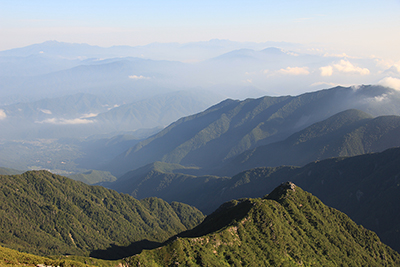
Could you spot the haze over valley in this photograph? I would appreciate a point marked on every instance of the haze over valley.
(215, 133)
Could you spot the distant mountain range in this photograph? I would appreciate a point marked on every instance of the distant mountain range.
(195, 51)
(288, 227)
(82, 115)
(54, 69)
(220, 133)
(47, 214)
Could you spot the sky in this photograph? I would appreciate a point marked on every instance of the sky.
(359, 28)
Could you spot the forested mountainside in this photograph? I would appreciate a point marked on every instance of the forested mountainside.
(364, 187)
(229, 128)
(47, 214)
(287, 227)
(348, 133)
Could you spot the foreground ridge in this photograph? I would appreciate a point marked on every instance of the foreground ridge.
(287, 227)
(48, 214)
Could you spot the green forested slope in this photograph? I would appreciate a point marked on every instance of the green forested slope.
(231, 127)
(365, 187)
(289, 227)
(349, 133)
(43, 213)
(166, 181)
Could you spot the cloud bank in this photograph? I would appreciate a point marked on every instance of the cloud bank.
(344, 66)
(390, 82)
(347, 67)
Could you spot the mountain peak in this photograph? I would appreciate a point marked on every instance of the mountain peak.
(281, 190)
(287, 186)
(299, 230)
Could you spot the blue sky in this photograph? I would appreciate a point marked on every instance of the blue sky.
(362, 28)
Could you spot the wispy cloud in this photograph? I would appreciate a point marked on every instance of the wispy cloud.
(46, 111)
(66, 121)
(381, 98)
(140, 77)
(347, 67)
(294, 71)
(89, 115)
(3, 115)
(390, 82)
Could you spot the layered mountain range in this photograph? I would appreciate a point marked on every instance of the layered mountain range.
(163, 129)
(287, 226)
(364, 187)
(215, 136)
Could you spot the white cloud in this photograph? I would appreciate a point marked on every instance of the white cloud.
(46, 111)
(397, 66)
(66, 121)
(89, 115)
(3, 115)
(294, 71)
(347, 67)
(355, 87)
(390, 82)
(381, 98)
(326, 71)
(140, 77)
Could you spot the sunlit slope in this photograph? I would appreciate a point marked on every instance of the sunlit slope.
(365, 187)
(288, 227)
(349, 133)
(43, 213)
(231, 127)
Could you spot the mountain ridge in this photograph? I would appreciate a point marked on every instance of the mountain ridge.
(348, 133)
(43, 213)
(287, 227)
(232, 127)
